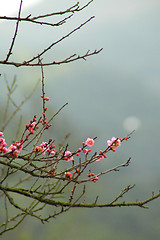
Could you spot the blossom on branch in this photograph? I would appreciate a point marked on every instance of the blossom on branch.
(92, 176)
(101, 156)
(32, 126)
(45, 147)
(86, 150)
(89, 142)
(1, 134)
(95, 179)
(68, 156)
(15, 148)
(114, 143)
(45, 167)
(2, 145)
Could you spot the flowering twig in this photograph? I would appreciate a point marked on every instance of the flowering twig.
(44, 173)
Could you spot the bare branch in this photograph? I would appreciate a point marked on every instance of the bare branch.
(80, 205)
(15, 34)
(60, 40)
(69, 59)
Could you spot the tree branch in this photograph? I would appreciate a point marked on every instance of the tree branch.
(15, 34)
(80, 205)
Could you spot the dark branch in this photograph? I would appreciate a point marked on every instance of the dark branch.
(15, 34)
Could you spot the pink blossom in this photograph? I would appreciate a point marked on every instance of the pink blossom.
(89, 142)
(1, 134)
(101, 156)
(2, 143)
(68, 156)
(114, 143)
(15, 148)
(31, 127)
(52, 152)
(85, 151)
(43, 147)
(38, 148)
(5, 150)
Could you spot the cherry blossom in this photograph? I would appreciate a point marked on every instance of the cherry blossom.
(68, 156)
(114, 143)
(89, 142)
(101, 156)
(86, 150)
(15, 148)
(1, 134)
(45, 147)
(31, 127)
(3, 145)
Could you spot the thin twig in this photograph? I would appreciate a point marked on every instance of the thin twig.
(69, 59)
(15, 33)
(58, 41)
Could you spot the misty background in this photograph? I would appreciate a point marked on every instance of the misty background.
(109, 95)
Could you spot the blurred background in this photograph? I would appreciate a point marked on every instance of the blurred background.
(109, 95)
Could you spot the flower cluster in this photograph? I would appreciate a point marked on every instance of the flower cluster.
(101, 155)
(89, 142)
(114, 143)
(92, 177)
(3, 144)
(44, 119)
(45, 147)
(13, 150)
(68, 156)
(48, 147)
(68, 175)
(32, 126)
